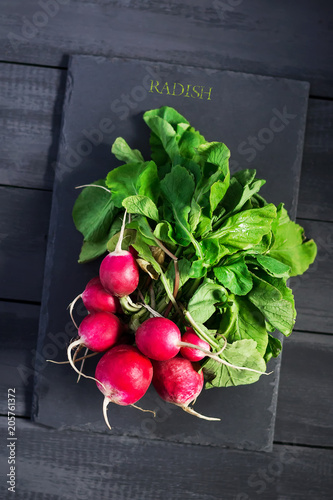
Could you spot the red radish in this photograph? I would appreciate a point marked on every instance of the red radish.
(180, 382)
(158, 338)
(123, 375)
(192, 338)
(96, 298)
(98, 332)
(119, 272)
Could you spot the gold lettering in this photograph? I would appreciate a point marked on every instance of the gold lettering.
(187, 90)
(154, 86)
(165, 86)
(174, 89)
(196, 92)
(209, 93)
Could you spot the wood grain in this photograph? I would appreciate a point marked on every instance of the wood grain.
(57, 465)
(304, 411)
(24, 221)
(271, 38)
(313, 290)
(18, 338)
(31, 103)
(315, 196)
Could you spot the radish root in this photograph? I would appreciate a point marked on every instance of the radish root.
(69, 355)
(141, 409)
(105, 411)
(71, 307)
(196, 414)
(82, 362)
(93, 185)
(75, 360)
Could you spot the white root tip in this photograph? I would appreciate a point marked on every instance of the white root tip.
(105, 411)
(82, 363)
(141, 409)
(69, 355)
(196, 414)
(93, 185)
(118, 248)
(71, 307)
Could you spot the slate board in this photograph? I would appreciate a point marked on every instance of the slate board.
(106, 99)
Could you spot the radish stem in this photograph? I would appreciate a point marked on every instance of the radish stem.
(118, 250)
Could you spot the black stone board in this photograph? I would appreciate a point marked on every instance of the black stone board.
(105, 99)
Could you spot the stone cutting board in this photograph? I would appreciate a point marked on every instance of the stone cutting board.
(262, 121)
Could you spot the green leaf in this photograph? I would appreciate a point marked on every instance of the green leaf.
(184, 267)
(242, 353)
(274, 348)
(141, 205)
(189, 142)
(217, 192)
(124, 153)
(145, 252)
(93, 212)
(279, 311)
(177, 188)
(164, 232)
(243, 185)
(165, 133)
(245, 229)
(236, 277)
(133, 179)
(242, 320)
(91, 250)
(202, 304)
(290, 245)
(270, 265)
(214, 157)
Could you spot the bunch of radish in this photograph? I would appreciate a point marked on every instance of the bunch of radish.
(155, 353)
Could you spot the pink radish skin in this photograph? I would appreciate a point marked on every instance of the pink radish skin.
(179, 381)
(192, 338)
(119, 273)
(158, 338)
(96, 298)
(99, 331)
(125, 374)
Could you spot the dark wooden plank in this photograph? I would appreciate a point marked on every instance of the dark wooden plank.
(57, 465)
(271, 38)
(315, 197)
(102, 81)
(305, 412)
(313, 290)
(18, 338)
(31, 103)
(24, 220)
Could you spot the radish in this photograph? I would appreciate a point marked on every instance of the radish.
(98, 332)
(178, 381)
(189, 352)
(158, 338)
(96, 298)
(119, 272)
(123, 375)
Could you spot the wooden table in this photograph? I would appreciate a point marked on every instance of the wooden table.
(289, 39)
